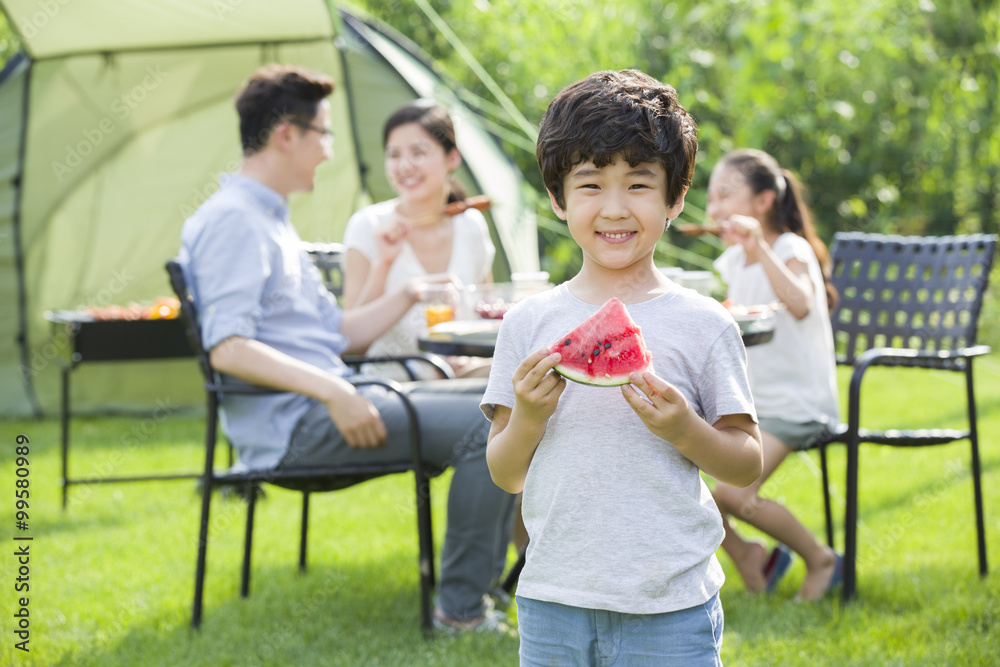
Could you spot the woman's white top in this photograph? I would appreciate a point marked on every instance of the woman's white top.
(794, 376)
(471, 260)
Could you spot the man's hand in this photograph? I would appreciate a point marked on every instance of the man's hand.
(357, 420)
(260, 364)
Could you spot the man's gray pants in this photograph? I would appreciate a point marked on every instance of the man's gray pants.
(453, 433)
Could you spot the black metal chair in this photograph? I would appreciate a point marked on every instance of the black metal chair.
(912, 302)
(330, 477)
(329, 259)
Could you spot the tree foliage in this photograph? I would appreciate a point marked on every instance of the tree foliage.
(9, 43)
(886, 110)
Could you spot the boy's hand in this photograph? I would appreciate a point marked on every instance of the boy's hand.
(667, 413)
(536, 388)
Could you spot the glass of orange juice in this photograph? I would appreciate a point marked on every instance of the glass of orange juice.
(440, 305)
(438, 313)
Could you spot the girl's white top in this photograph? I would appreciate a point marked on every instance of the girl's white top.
(794, 376)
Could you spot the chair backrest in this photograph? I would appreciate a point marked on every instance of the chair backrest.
(922, 293)
(329, 259)
(190, 314)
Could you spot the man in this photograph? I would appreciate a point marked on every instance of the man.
(267, 320)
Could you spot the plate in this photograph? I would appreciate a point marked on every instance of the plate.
(755, 319)
(466, 330)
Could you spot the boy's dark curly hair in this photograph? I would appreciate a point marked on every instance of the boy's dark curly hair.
(275, 94)
(608, 115)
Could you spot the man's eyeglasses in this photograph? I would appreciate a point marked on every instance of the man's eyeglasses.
(326, 132)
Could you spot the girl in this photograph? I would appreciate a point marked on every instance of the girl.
(775, 255)
(411, 237)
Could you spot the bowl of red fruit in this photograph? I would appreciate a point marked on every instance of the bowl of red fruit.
(491, 301)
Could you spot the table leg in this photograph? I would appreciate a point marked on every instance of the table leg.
(64, 415)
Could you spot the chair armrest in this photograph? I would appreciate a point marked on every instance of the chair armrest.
(390, 385)
(905, 358)
(416, 447)
(351, 360)
(441, 366)
(250, 389)
(893, 355)
(908, 357)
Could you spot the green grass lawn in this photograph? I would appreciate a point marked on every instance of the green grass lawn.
(112, 576)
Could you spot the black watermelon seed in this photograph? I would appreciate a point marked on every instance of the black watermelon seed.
(568, 341)
(597, 351)
(607, 345)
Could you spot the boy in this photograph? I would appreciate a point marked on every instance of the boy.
(267, 320)
(623, 532)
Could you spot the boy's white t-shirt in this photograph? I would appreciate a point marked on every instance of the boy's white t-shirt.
(794, 377)
(471, 262)
(617, 518)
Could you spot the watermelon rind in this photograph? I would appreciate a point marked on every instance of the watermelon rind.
(606, 381)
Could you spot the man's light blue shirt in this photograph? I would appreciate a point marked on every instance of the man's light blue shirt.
(249, 275)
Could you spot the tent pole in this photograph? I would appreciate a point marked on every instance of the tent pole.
(363, 168)
(22, 298)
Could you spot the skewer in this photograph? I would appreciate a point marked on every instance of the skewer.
(698, 230)
(479, 202)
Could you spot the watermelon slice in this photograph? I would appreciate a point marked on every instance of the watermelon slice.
(604, 350)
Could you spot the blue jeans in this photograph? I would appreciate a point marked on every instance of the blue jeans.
(555, 634)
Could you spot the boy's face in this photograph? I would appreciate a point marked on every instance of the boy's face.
(618, 212)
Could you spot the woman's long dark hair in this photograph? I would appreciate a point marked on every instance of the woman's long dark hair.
(436, 121)
(790, 213)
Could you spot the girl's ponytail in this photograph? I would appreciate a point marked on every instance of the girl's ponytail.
(792, 213)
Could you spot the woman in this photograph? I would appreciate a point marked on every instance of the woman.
(411, 237)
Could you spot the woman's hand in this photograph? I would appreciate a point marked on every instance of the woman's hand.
(389, 238)
(420, 287)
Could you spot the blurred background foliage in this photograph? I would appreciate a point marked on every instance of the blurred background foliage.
(9, 44)
(886, 109)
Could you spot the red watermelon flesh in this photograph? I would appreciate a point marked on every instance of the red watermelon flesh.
(604, 350)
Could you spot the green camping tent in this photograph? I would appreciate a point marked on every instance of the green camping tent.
(117, 120)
